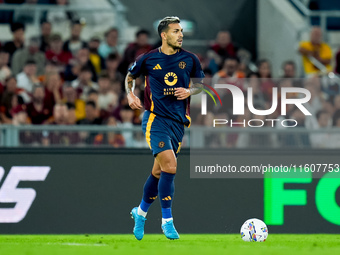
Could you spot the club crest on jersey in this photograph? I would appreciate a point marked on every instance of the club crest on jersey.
(182, 64)
(161, 144)
(170, 79)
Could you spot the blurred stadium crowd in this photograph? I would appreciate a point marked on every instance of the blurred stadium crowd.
(76, 82)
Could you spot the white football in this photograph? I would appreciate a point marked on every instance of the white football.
(254, 230)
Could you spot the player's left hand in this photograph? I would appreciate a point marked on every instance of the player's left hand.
(182, 93)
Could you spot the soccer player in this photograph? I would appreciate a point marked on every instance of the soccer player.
(168, 71)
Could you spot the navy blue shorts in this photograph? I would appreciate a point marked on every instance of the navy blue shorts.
(161, 133)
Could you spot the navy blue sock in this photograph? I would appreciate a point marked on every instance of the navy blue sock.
(150, 192)
(166, 189)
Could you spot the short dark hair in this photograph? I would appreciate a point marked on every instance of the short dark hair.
(75, 22)
(55, 37)
(45, 22)
(164, 23)
(92, 91)
(289, 62)
(112, 57)
(112, 29)
(16, 26)
(37, 86)
(261, 61)
(104, 75)
(319, 113)
(30, 62)
(232, 58)
(86, 68)
(142, 32)
(10, 78)
(70, 106)
(91, 103)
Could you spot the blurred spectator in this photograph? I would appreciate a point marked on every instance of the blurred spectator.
(259, 98)
(72, 117)
(49, 68)
(315, 103)
(127, 115)
(229, 70)
(81, 60)
(83, 84)
(18, 32)
(289, 69)
(5, 71)
(60, 114)
(335, 137)
(25, 15)
(110, 45)
(27, 79)
(19, 116)
(70, 98)
(289, 72)
(116, 87)
(61, 117)
(112, 63)
(45, 30)
(92, 115)
(322, 140)
(53, 90)
(220, 50)
(36, 110)
(315, 49)
(9, 101)
(92, 118)
(97, 61)
(75, 43)
(107, 99)
(31, 52)
(10, 87)
(265, 73)
(93, 96)
(112, 138)
(56, 54)
(133, 50)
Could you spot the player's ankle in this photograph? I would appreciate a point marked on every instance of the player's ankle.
(166, 220)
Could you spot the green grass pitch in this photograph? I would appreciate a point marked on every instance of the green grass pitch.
(286, 244)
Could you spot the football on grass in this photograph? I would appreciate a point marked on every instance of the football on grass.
(254, 230)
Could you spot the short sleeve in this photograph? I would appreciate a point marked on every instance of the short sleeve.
(197, 71)
(137, 67)
(305, 45)
(327, 52)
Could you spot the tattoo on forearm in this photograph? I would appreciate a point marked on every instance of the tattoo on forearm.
(196, 88)
(129, 83)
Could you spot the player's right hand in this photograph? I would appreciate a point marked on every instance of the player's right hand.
(134, 101)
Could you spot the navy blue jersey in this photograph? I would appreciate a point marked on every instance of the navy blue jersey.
(163, 73)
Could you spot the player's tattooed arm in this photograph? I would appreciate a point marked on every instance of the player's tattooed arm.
(183, 93)
(129, 83)
(133, 100)
(196, 88)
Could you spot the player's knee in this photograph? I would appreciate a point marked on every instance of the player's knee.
(170, 168)
(156, 173)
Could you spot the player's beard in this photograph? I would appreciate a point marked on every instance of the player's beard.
(173, 45)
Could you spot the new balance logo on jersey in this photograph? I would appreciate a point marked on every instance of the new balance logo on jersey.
(157, 67)
(22, 197)
(167, 198)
